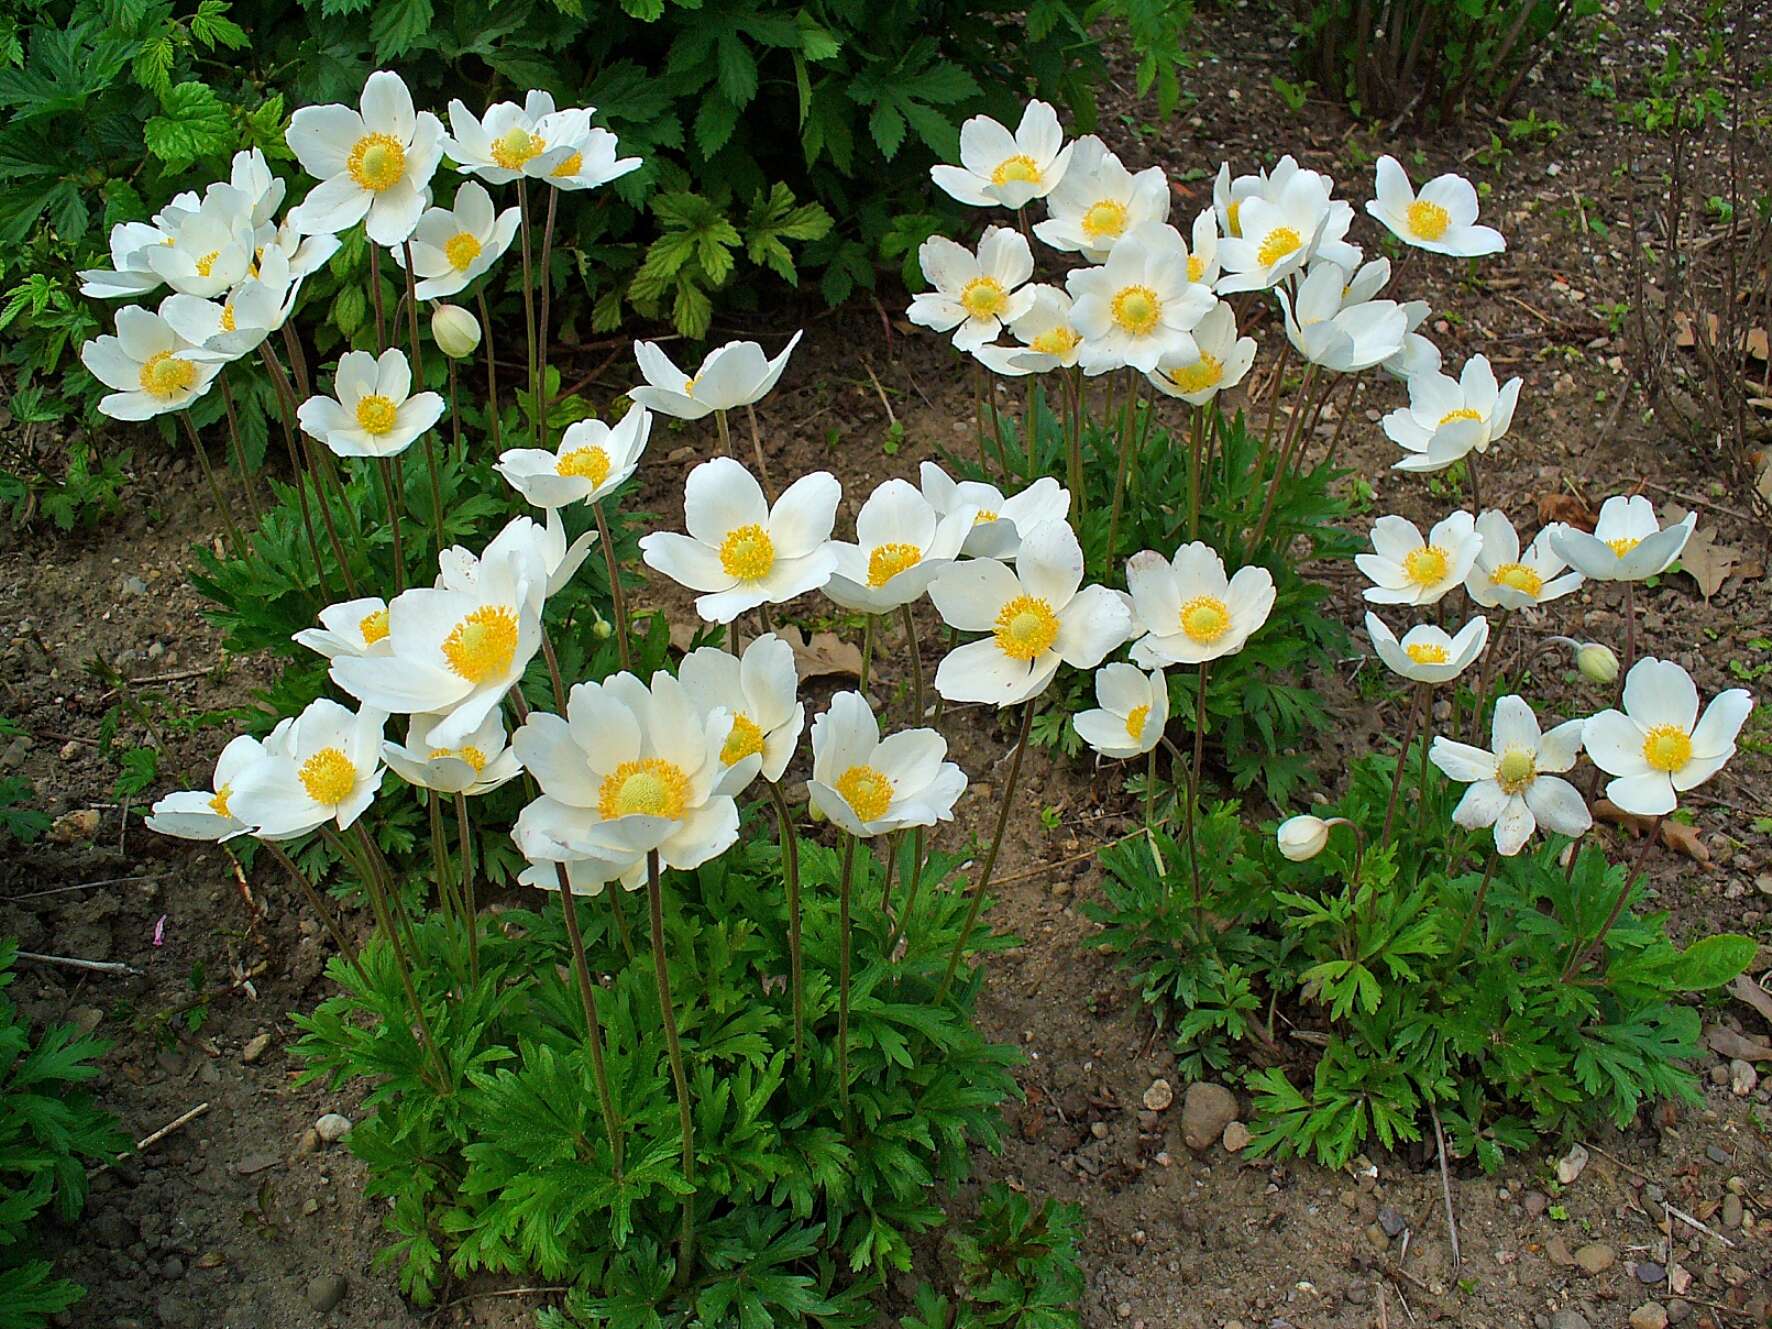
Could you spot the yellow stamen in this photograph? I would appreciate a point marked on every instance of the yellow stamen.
(589, 463)
(1196, 268)
(1059, 341)
(983, 297)
(1462, 413)
(571, 166)
(164, 377)
(1020, 168)
(747, 552)
(514, 148)
(867, 791)
(1623, 545)
(206, 264)
(219, 804)
(1135, 723)
(1516, 769)
(1198, 377)
(377, 162)
(1137, 309)
(1233, 217)
(470, 754)
(375, 413)
(888, 560)
(1427, 653)
(1205, 619)
(746, 739)
(1667, 748)
(1427, 566)
(483, 644)
(328, 776)
(1428, 220)
(1026, 626)
(227, 318)
(461, 250)
(984, 515)
(1105, 217)
(373, 626)
(1518, 577)
(1280, 242)
(650, 787)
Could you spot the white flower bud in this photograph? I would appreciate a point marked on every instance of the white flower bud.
(456, 331)
(1302, 837)
(1597, 663)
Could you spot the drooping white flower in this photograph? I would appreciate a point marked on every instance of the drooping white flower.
(872, 786)
(1504, 578)
(506, 142)
(1048, 339)
(1597, 662)
(1188, 610)
(1442, 218)
(1628, 543)
(1658, 747)
(998, 523)
(589, 158)
(1328, 327)
(150, 367)
(374, 164)
(998, 168)
(736, 374)
(739, 552)
(1139, 306)
(1277, 233)
(1514, 785)
(1203, 265)
(1406, 569)
(1131, 713)
(478, 764)
(1099, 200)
(594, 460)
(975, 294)
(1223, 361)
(1302, 838)
(131, 242)
(455, 330)
(351, 627)
(900, 546)
(453, 246)
(207, 814)
(373, 411)
(327, 769)
(1038, 615)
(759, 691)
(1448, 418)
(223, 330)
(208, 250)
(1427, 654)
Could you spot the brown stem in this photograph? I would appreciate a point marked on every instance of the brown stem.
(617, 597)
(581, 970)
(1579, 960)
(655, 902)
(328, 919)
(983, 880)
(215, 490)
(491, 371)
(239, 448)
(790, 857)
(1415, 704)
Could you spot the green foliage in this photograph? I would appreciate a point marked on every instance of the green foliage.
(18, 820)
(1018, 1267)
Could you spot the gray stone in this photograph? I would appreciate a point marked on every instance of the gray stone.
(1650, 1315)
(1236, 1138)
(333, 1127)
(1205, 1111)
(1569, 1320)
(326, 1290)
(1731, 1210)
(1596, 1258)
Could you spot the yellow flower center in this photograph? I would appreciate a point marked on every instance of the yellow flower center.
(1137, 309)
(1205, 619)
(1623, 544)
(483, 644)
(328, 776)
(1196, 268)
(1428, 220)
(984, 515)
(1200, 376)
(461, 250)
(1280, 242)
(1516, 769)
(1519, 577)
(571, 166)
(1105, 217)
(1462, 413)
(470, 754)
(377, 161)
(1059, 341)
(219, 804)
(1020, 168)
(588, 463)
(1233, 217)
(227, 317)
(746, 739)
(375, 413)
(1135, 723)
(1427, 653)
(163, 376)
(982, 297)
(1667, 748)
(888, 560)
(867, 791)
(688, 387)
(1426, 566)
(747, 552)
(650, 787)
(206, 264)
(1026, 626)
(373, 626)
(514, 148)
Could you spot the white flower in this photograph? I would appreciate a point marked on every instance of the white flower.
(305, 254)
(1658, 747)
(206, 814)
(506, 142)
(869, 786)
(998, 523)
(208, 250)
(150, 367)
(352, 627)
(453, 246)
(1329, 326)
(1099, 200)
(224, 330)
(1035, 613)
(1132, 713)
(1302, 838)
(455, 330)
(1408, 570)
(541, 546)
(478, 764)
(578, 155)
(760, 692)
(594, 460)
(585, 876)
(327, 769)
(1441, 218)
(901, 546)
(1276, 234)
(1223, 360)
(1188, 610)
(373, 411)
(1426, 654)
(1419, 355)
(1628, 543)
(1515, 788)
(736, 374)
(250, 176)
(1139, 306)
(1448, 418)
(740, 552)
(975, 294)
(374, 165)
(1203, 265)
(998, 167)
(1503, 578)
(1048, 341)
(131, 242)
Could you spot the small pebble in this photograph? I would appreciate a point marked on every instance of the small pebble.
(1650, 1315)
(325, 1291)
(1159, 1096)
(1571, 1164)
(1647, 1271)
(1236, 1138)
(333, 1127)
(1596, 1257)
(255, 1048)
(1732, 1210)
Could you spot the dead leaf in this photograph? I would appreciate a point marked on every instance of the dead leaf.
(1707, 562)
(72, 826)
(826, 655)
(1725, 1042)
(1676, 835)
(1565, 508)
(1745, 989)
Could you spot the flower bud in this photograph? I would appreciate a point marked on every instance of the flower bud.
(1302, 837)
(602, 629)
(455, 330)
(1597, 663)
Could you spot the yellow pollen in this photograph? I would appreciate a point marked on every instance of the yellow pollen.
(746, 739)
(1280, 242)
(375, 413)
(1196, 268)
(1020, 168)
(570, 167)
(1426, 566)
(1233, 217)
(1667, 748)
(470, 754)
(483, 644)
(377, 161)
(1427, 653)
(219, 804)
(650, 787)
(1137, 309)
(1198, 377)
(1428, 220)
(206, 264)
(688, 387)
(461, 250)
(866, 791)
(984, 515)
(747, 552)
(1026, 626)
(514, 148)
(589, 463)
(1518, 577)
(1059, 341)
(1205, 619)
(1516, 769)
(328, 776)
(888, 560)
(1135, 723)
(227, 318)
(374, 626)
(1106, 217)
(1623, 545)
(163, 376)
(1462, 413)
(983, 297)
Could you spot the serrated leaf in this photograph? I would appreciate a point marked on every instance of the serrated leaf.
(193, 123)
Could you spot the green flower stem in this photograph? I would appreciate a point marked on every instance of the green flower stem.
(915, 649)
(372, 869)
(867, 655)
(388, 486)
(529, 313)
(757, 447)
(667, 1012)
(215, 491)
(1314, 385)
(456, 444)
(1193, 799)
(491, 370)
(446, 895)
(843, 927)
(1196, 463)
(328, 919)
(1578, 960)
(418, 377)
(291, 434)
(790, 858)
(984, 461)
(1475, 909)
(543, 396)
(1030, 426)
(239, 449)
(587, 995)
(1120, 472)
(470, 907)
(1073, 442)
(381, 327)
(618, 600)
(910, 899)
(1416, 702)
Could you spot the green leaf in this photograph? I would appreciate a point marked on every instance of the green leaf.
(1712, 961)
(400, 25)
(714, 124)
(886, 124)
(193, 124)
(211, 26)
(737, 70)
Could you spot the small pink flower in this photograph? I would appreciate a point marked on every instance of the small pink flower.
(160, 931)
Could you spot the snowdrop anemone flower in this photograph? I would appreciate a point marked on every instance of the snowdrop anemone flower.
(1406, 569)
(477, 765)
(1418, 355)
(374, 164)
(975, 294)
(452, 246)
(505, 143)
(1035, 613)
(593, 461)
(740, 552)
(224, 330)
(1504, 578)
(871, 786)
(305, 254)
(250, 176)
(1279, 233)
(1628, 543)
(373, 411)
(1099, 200)
(584, 876)
(998, 168)
(1223, 360)
(1139, 306)
(1048, 340)
(736, 374)
(1131, 713)
(578, 155)
(149, 367)
(327, 768)
(1303, 837)
(901, 545)
(1189, 611)
(207, 814)
(1442, 218)
(1427, 654)
(1329, 326)
(543, 546)
(998, 523)
(351, 627)
(1658, 746)
(131, 242)
(1448, 418)
(759, 691)
(1203, 265)
(209, 250)
(1514, 785)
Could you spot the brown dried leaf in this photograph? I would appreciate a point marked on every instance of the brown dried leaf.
(1565, 508)
(1676, 835)
(1707, 562)
(1725, 1042)
(1743, 988)
(826, 655)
